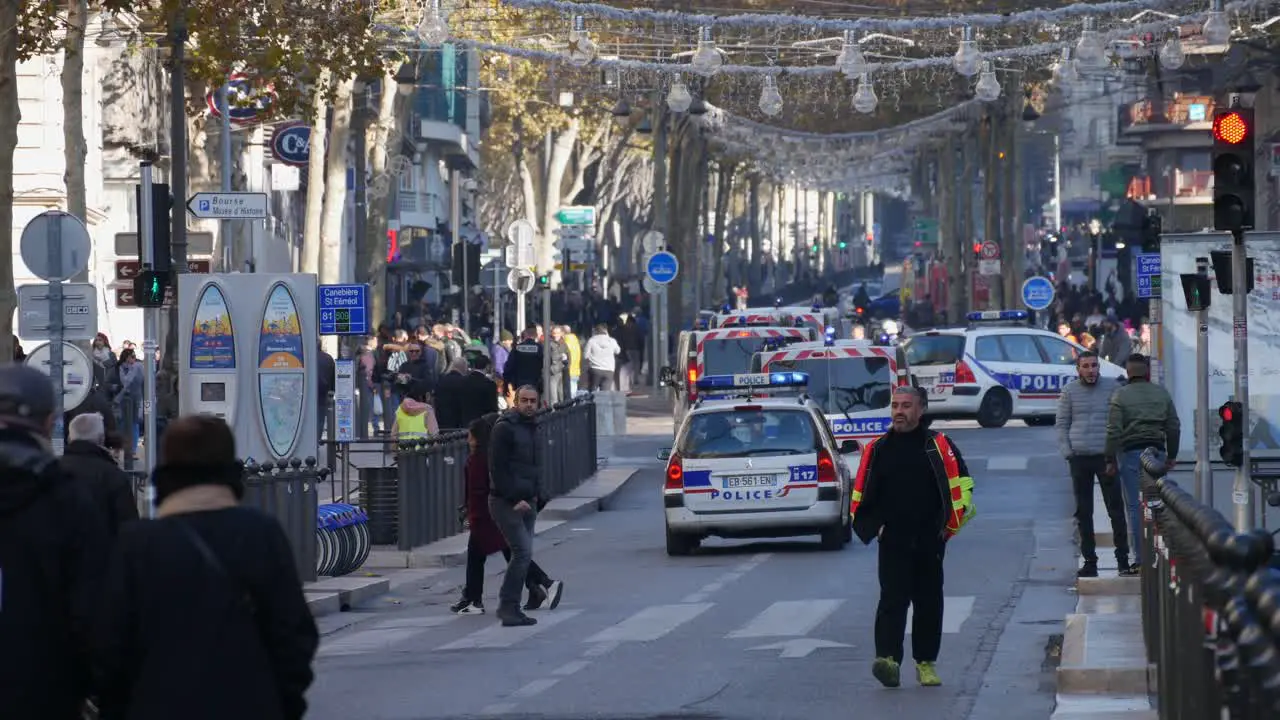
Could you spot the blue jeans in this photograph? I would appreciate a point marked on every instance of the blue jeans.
(1131, 489)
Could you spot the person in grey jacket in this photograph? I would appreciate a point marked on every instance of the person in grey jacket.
(514, 493)
(1081, 423)
(601, 358)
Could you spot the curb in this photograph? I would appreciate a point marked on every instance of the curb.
(1109, 586)
(330, 595)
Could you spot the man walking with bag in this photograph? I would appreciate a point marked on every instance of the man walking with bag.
(1082, 438)
(514, 494)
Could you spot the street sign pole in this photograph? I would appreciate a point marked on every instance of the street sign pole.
(455, 224)
(224, 226)
(497, 304)
(1204, 471)
(546, 344)
(1241, 492)
(150, 331)
(55, 336)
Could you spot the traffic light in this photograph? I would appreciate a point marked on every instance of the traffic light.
(1233, 190)
(149, 288)
(544, 280)
(843, 244)
(1152, 228)
(1232, 433)
(161, 211)
(977, 248)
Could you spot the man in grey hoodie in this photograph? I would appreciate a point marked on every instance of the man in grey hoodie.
(1081, 422)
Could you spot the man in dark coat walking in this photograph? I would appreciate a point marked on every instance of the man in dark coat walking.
(88, 462)
(53, 548)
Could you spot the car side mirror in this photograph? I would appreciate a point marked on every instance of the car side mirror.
(664, 454)
(848, 447)
(1274, 499)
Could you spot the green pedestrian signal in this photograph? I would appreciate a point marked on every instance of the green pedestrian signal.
(150, 288)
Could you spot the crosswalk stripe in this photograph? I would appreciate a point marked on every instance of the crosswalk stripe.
(650, 623)
(788, 618)
(497, 636)
(1007, 463)
(955, 610)
(367, 641)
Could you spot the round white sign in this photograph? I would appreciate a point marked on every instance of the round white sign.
(77, 372)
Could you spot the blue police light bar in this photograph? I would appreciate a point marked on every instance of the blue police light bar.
(829, 336)
(998, 315)
(753, 380)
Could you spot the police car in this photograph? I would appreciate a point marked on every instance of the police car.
(995, 369)
(851, 380)
(723, 351)
(754, 464)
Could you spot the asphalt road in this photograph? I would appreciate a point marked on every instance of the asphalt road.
(742, 630)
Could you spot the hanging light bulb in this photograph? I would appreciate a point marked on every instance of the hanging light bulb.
(864, 99)
(967, 60)
(707, 60)
(433, 29)
(581, 49)
(851, 61)
(988, 87)
(1216, 30)
(1171, 53)
(1089, 51)
(678, 98)
(770, 99)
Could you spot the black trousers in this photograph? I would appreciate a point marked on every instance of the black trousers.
(474, 590)
(599, 380)
(1084, 468)
(910, 576)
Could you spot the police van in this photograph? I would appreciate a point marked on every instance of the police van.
(996, 369)
(751, 317)
(723, 351)
(851, 380)
(816, 318)
(756, 464)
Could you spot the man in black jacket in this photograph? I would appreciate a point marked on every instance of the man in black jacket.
(514, 494)
(913, 492)
(524, 365)
(87, 460)
(464, 394)
(53, 552)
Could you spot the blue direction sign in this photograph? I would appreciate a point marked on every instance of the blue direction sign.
(662, 267)
(1037, 293)
(1149, 275)
(343, 309)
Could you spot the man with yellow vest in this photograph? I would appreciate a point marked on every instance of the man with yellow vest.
(574, 348)
(913, 492)
(415, 419)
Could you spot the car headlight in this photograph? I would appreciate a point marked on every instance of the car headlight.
(891, 327)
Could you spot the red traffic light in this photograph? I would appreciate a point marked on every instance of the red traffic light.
(977, 248)
(1231, 127)
(1227, 414)
(1228, 411)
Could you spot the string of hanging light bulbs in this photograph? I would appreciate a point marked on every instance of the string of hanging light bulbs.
(1089, 52)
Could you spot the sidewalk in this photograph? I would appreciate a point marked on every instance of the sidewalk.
(1103, 674)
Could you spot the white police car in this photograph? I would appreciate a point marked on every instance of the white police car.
(751, 464)
(995, 369)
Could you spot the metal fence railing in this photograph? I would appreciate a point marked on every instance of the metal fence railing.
(422, 503)
(286, 490)
(1211, 607)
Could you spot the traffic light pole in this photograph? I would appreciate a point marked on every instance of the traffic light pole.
(150, 330)
(1204, 471)
(1241, 492)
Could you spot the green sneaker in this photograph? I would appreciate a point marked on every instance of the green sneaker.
(927, 675)
(887, 672)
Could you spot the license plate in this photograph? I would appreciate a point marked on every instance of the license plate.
(750, 481)
(927, 381)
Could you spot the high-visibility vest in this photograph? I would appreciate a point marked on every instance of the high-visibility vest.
(961, 509)
(410, 427)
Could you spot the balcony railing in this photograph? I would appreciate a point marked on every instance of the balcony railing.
(1186, 184)
(1182, 110)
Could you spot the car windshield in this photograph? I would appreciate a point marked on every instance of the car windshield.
(934, 350)
(844, 385)
(742, 432)
(728, 356)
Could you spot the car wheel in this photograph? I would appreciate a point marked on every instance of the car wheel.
(848, 529)
(679, 545)
(995, 408)
(833, 537)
